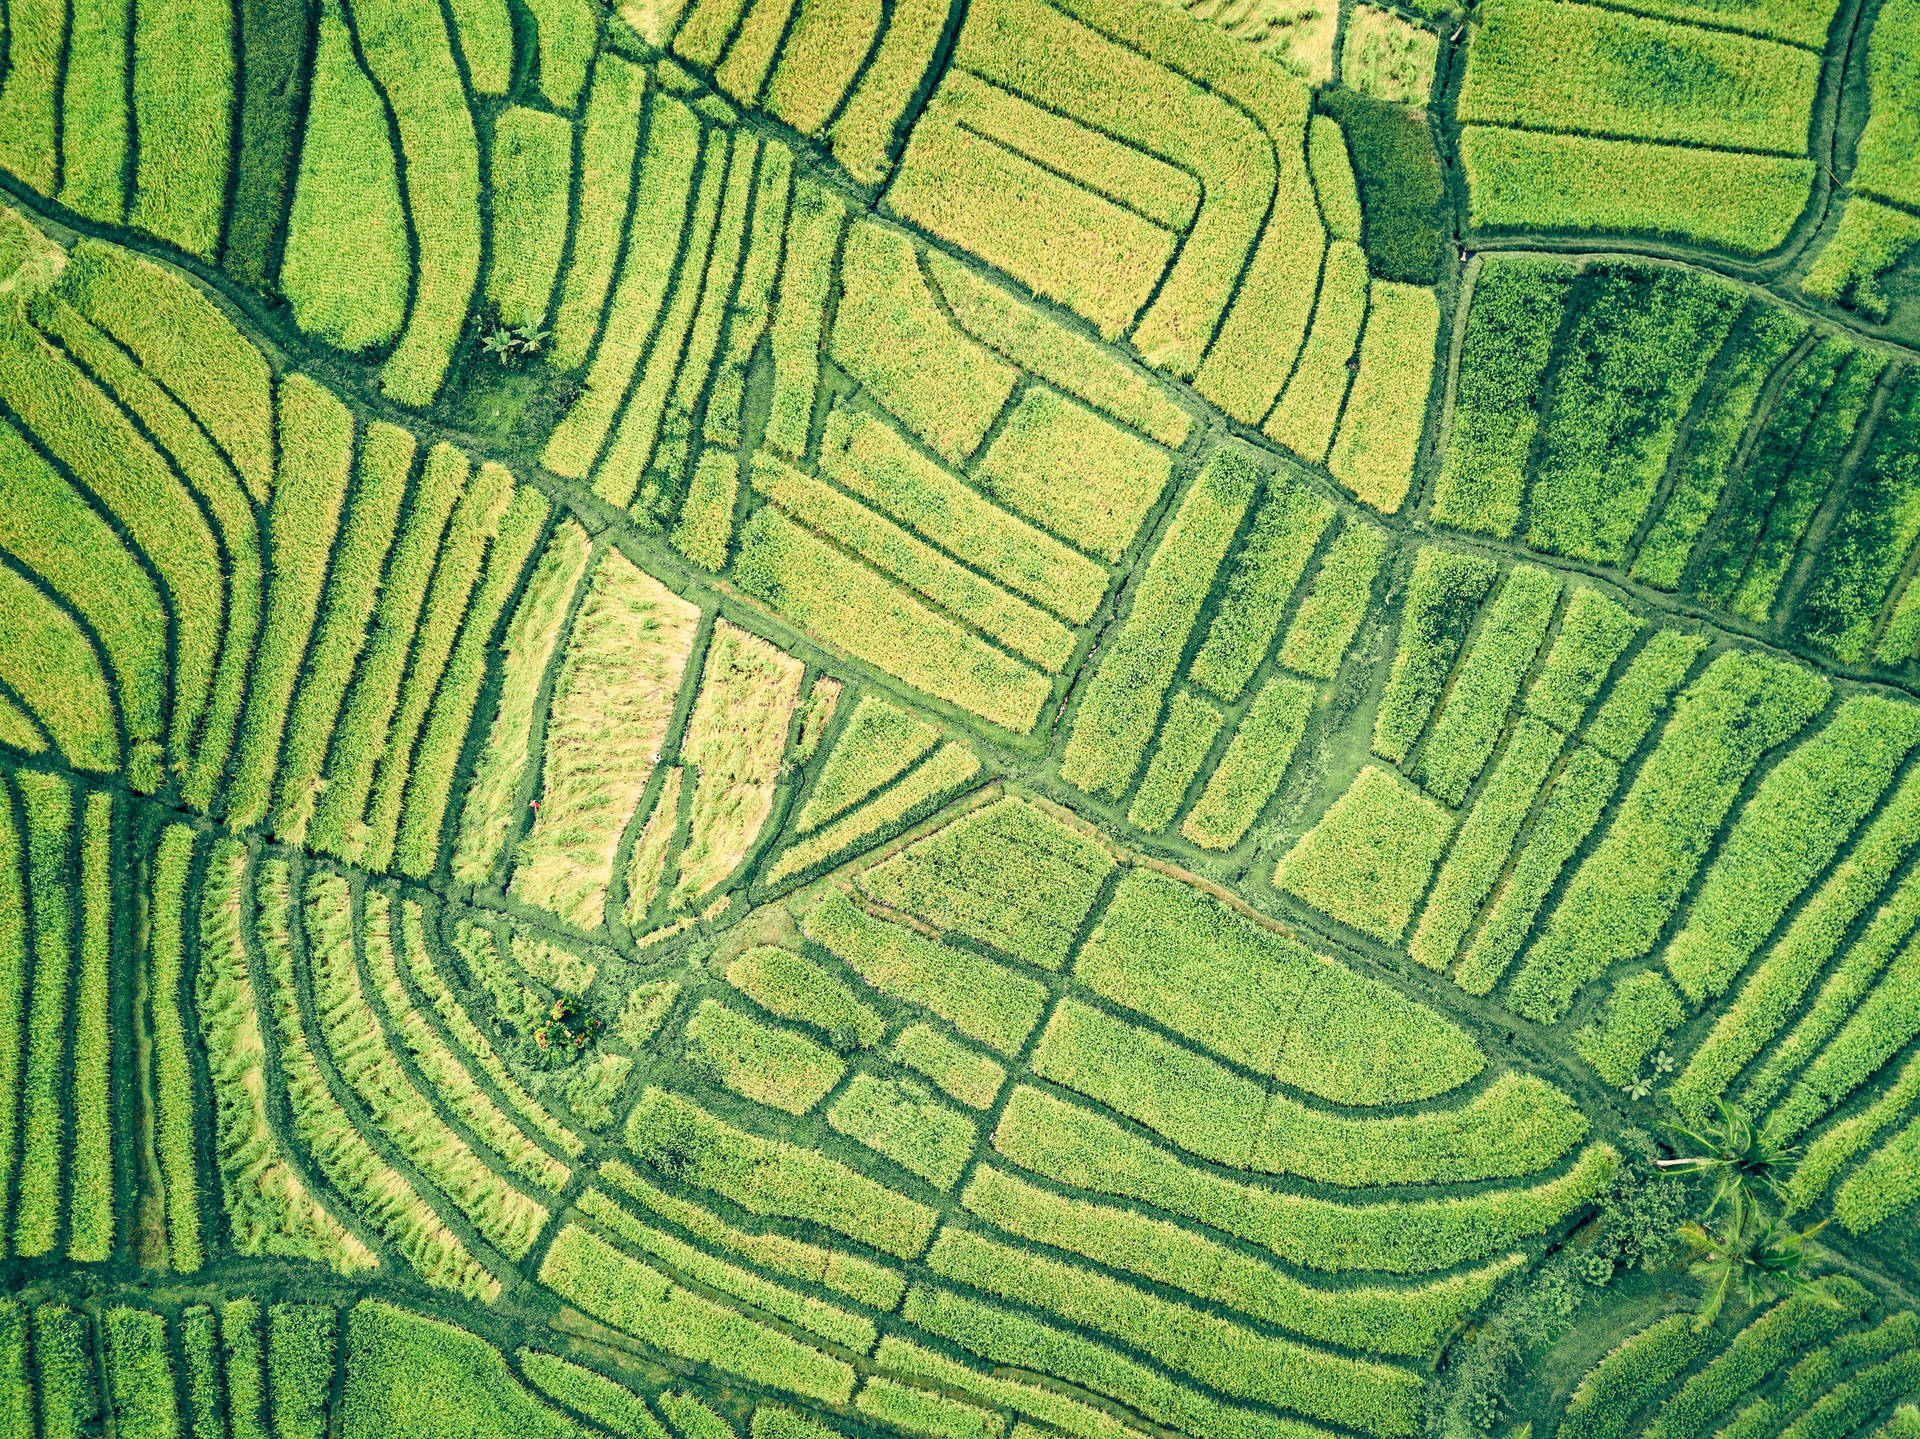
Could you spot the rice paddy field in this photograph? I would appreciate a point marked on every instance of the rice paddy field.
(959, 719)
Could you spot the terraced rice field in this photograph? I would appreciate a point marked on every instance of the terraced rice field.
(1020, 719)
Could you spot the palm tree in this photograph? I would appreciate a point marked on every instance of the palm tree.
(1754, 1252)
(1745, 1159)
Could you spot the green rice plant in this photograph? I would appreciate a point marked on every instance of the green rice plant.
(1070, 1416)
(407, 52)
(950, 767)
(16, 1384)
(1234, 1359)
(1022, 217)
(273, 44)
(138, 1373)
(748, 314)
(983, 1000)
(1885, 1018)
(406, 1373)
(1255, 762)
(1409, 1321)
(657, 441)
(863, 137)
(820, 55)
(772, 1177)
(47, 803)
(1855, 1401)
(1336, 601)
(1116, 477)
(381, 474)
(485, 40)
(532, 636)
(1637, 348)
(794, 987)
(704, 30)
(348, 1023)
(1603, 1405)
(93, 112)
(1872, 240)
(1287, 527)
(1788, 833)
(300, 1342)
(1517, 306)
(1791, 1327)
(269, 1204)
(1479, 853)
(89, 434)
(891, 336)
(770, 1421)
(425, 801)
(1518, 1124)
(1642, 1010)
(607, 717)
(1309, 409)
(90, 1215)
(905, 1122)
(1531, 180)
(199, 1346)
(1010, 1338)
(57, 675)
(1009, 875)
(920, 1411)
(447, 1074)
(1820, 1370)
(1571, 808)
(1076, 1147)
(233, 515)
(1860, 561)
(1185, 739)
(1642, 691)
(63, 1355)
(1369, 860)
(1116, 716)
(735, 740)
(1883, 159)
(30, 100)
(1887, 1183)
(173, 1074)
(1762, 338)
(837, 1326)
(839, 600)
(1401, 200)
(757, 1061)
(568, 33)
(379, 788)
(607, 144)
(345, 267)
(1840, 1141)
(662, 194)
(1584, 68)
(1386, 410)
(963, 1074)
(316, 457)
(874, 1285)
(1802, 487)
(814, 225)
(1742, 706)
(1171, 952)
(869, 458)
(1333, 182)
(532, 164)
(1474, 712)
(1068, 361)
(183, 65)
(240, 1338)
(613, 1406)
(1594, 632)
(1443, 596)
(914, 564)
(877, 744)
